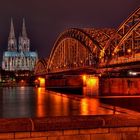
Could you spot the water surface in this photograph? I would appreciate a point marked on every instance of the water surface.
(17, 102)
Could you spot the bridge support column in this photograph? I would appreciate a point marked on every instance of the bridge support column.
(91, 85)
(88, 85)
(120, 86)
(40, 82)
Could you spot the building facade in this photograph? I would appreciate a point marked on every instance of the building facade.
(18, 57)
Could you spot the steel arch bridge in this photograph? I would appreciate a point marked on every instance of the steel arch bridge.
(95, 48)
(124, 45)
(78, 48)
(41, 67)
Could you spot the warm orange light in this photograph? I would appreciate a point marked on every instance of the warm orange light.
(36, 81)
(84, 78)
(41, 81)
(89, 105)
(40, 90)
(91, 81)
(91, 85)
(40, 98)
(22, 81)
(129, 50)
(84, 107)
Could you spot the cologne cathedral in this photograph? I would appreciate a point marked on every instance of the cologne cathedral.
(18, 57)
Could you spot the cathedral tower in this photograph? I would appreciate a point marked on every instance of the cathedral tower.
(24, 42)
(19, 57)
(12, 42)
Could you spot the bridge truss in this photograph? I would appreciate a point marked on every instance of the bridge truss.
(89, 47)
(41, 67)
(76, 48)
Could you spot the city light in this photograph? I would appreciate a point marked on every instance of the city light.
(91, 85)
(22, 83)
(129, 50)
(132, 73)
(84, 77)
(41, 82)
(91, 81)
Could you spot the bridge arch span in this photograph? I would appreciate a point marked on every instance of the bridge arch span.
(41, 67)
(124, 38)
(76, 47)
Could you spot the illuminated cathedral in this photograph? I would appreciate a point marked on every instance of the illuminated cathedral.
(18, 57)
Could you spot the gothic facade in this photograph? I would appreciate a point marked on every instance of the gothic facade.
(18, 56)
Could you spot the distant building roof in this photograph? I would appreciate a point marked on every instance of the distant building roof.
(15, 54)
(31, 54)
(10, 53)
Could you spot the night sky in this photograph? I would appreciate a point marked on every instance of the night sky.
(45, 19)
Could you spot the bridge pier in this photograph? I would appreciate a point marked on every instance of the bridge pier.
(87, 85)
(90, 85)
(64, 83)
(120, 86)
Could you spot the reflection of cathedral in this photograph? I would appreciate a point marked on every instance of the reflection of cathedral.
(18, 56)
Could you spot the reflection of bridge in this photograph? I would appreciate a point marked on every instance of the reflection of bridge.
(95, 50)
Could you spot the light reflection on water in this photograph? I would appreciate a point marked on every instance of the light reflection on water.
(37, 102)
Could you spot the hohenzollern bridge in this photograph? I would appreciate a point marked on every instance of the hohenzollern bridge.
(93, 50)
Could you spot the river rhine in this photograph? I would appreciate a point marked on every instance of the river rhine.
(23, 102)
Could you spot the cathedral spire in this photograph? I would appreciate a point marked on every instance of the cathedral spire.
(12, 42)
(24, 41)
(24, 33)
(12, 32)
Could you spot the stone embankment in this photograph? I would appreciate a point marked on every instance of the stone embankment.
(106, 127)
